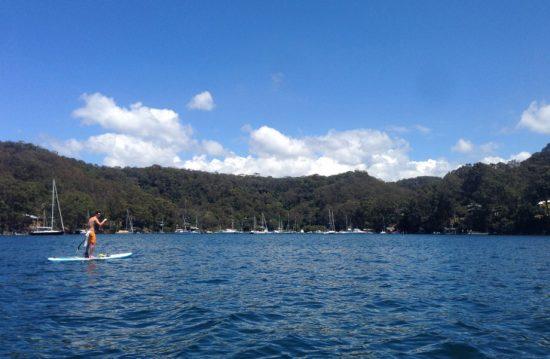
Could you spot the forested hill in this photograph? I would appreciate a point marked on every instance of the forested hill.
(484, 198)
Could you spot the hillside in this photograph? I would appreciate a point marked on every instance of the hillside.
(496, 198)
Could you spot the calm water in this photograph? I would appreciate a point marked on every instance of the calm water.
(272, 296)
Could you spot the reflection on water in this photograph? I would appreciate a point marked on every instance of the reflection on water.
(293, 295)
(91, 267)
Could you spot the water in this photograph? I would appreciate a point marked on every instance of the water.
(273, 296)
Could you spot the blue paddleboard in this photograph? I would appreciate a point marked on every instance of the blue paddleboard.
(97, 258)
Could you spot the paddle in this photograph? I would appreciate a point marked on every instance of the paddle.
(84, 240)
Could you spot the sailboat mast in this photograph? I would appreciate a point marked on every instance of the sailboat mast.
(53, 194)
(58, 207)
(264, 224)
(331, 220)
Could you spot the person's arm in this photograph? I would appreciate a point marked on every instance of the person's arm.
(100, 223)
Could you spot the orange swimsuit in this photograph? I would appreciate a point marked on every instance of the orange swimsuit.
(91, 238)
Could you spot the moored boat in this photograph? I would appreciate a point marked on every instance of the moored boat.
(45, 230)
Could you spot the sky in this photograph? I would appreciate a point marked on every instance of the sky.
(278, 88)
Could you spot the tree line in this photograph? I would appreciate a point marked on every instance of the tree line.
(500, 198)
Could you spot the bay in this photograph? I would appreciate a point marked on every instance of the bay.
(277, 295)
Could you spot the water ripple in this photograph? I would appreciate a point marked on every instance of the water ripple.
(278, 296)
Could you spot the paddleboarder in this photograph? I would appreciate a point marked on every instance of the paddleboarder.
(91, 238)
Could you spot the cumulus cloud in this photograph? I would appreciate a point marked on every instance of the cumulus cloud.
(275, 154)
(124, 150)
(536, 118)
(466, 146)
(141, 136)
(518, 157)
(136, 136)
(521, 156)
(202, 102)
(120, 150)
(485, 152)
(138, 120)
(267, 141)
(463, 146)
(213, 148)
(69, 148)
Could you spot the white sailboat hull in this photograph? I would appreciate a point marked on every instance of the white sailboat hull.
(52, 232)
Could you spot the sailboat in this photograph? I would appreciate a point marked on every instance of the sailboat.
(128, 221)
(332, 227)
(231, 230)
(45, 230)
(263, 227)
(280, 228)
(187, 228)
(350, 229)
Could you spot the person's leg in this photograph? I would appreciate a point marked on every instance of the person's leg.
(86, 252)
(91, 245)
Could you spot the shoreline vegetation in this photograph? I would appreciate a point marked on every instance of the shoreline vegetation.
(475, 198)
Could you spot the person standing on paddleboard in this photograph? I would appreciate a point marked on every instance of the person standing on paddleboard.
(90, 246)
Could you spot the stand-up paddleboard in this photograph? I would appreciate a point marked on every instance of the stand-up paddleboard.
(96, 258)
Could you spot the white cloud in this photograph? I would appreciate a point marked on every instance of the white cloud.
(142, 136)
(522, 156)
(359, 146)
(202, 101)
(467, 147)
(536, 118)
(485, 152)
(141, 121)
(123, 150)
(137, 136)
(463, 146)
(267, 141)
(271, 166)
(426, 168)
(69, 148)
(213, 148)
(519, 157)
(493, 159)
(275, 154)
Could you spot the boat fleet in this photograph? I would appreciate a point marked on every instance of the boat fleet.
(262, 228)
(41, 226)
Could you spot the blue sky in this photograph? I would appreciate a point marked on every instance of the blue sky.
(395, 88)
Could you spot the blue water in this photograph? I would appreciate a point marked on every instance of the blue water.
(273, 296)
